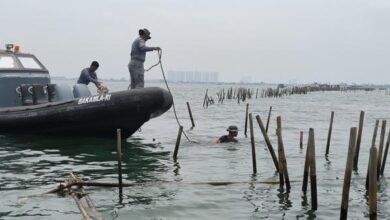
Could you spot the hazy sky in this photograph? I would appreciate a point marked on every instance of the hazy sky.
(269, 40)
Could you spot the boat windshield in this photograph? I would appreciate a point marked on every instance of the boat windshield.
(7, 62)
(29, 63)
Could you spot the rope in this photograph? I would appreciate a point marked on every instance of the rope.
(159, 52)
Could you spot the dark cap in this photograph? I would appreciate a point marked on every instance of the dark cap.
(232, 128)
(145, 32)
(95, 64)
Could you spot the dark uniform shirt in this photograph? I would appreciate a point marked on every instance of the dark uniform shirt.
(226, 139)
(138, 50)
(87, 76)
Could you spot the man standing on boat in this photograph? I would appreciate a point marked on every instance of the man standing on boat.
(138, 52)
(89, 75)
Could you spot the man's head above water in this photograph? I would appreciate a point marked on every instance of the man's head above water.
(233, 130)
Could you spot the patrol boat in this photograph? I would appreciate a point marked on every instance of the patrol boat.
(31, 104)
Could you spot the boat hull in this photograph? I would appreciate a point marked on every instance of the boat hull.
(94, 116)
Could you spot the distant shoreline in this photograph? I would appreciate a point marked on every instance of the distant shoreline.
(375, 86)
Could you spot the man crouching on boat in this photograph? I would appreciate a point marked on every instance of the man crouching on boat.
(89, 75)
(233, 131)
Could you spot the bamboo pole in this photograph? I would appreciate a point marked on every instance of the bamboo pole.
(252, 143)
(115, 184)
(313, 175)
(301, 140)
(375, 133)
(385, 154)
(177, 142)
(246, 119)
(76, 196)
(307, 161)
(280, 164)
(96, 215)
(205, 98)
(269, 116)
(372, 145)
(282, 157)
(358, 141)
(119, 154)
(81, 207)
(372, 188)
(190, 112)
(268, 142)
(347, 174)
(381, 143)
(329, 133)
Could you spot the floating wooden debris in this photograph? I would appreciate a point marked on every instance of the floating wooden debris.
(80, 197)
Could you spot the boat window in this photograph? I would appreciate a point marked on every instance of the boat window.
(29, 63)
(7, 62)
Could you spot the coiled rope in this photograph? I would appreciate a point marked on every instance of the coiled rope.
(159, 53)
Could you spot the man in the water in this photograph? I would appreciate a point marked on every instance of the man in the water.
(233, 131)
(89, 75)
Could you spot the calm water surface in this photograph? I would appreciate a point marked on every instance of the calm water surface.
(176, 190)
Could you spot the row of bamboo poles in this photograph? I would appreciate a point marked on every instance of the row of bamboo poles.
(241, 94)
(377, 161)
(376, 166)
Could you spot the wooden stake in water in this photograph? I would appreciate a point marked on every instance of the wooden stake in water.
(177, 142)
(372, 145)
(246, 118)
(381, 143)
(375, 133)
(348, 173)
(252, 143)
(268, 142)
(372, 182)
(205, 98)
(307, 161)
(385, 154)
(190, 112)
(358, 141)
(329, 133)
(313, 175)
(269, 116)
(282, 157)
(301, 140)
(119, 153)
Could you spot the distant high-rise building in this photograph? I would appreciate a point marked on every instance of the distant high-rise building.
(193, 76)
